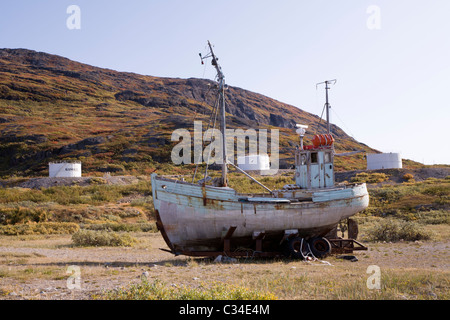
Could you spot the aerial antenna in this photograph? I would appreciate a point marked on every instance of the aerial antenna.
(327, 105)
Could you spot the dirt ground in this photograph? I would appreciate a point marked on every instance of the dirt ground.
(39, 267)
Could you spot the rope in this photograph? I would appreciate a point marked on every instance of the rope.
(214, 113)
(311, 256)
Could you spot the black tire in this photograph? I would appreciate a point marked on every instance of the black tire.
(285, 249)
(296, 249)
(320, 247)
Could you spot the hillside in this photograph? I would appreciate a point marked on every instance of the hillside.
(52, 108)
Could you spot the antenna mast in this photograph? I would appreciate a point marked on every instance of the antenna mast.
(327, 105)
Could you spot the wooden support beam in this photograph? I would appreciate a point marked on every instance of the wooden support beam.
(226, 239)
(259, 240)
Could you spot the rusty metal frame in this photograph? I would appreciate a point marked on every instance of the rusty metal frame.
(345, 245)
(226, 243)
(338, 245)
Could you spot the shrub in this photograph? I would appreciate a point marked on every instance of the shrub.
(126, 227)
(97, 181)
(408, 176)
(10, 195)
(40, 228)
(22, 215)
(102, 238)
(369, 177)
(439, 191)
(395, 230)
(433, 217)
(387, 194)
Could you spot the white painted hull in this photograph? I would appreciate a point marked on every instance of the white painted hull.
(195, 218)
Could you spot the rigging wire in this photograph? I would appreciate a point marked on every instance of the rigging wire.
(213, 130)
(351, 134)
(318, 129)
(320, 121)
(210, 117)
(213, 114)
(204, 101)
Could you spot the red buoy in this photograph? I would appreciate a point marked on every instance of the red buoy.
(322, 140)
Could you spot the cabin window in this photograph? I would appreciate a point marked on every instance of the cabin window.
(327, 157)
(314, 157)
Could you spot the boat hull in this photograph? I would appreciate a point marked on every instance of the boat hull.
(194, 218)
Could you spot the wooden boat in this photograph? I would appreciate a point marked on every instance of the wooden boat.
(199, 219)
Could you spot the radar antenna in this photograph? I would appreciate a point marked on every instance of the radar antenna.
(327, 105)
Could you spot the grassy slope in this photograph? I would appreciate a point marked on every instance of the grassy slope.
(48, 103)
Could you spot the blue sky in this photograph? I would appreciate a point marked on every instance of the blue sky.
(392, 82)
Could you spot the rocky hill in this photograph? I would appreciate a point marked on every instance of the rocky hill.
(52, 108)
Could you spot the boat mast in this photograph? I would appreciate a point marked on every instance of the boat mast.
(327, 105)
(221, 92)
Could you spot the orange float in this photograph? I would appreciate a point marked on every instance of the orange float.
(322, 140)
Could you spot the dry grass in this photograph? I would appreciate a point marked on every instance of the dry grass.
(40, 228)
(409, 270)
(158, 290)
(395, 230)
(89, 238)
(30, 263)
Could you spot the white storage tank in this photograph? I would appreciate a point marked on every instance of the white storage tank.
(384, 161)
(254, 162)
(64, 169)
